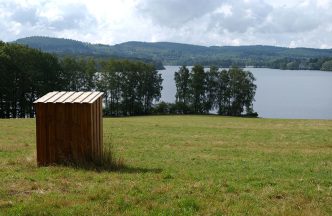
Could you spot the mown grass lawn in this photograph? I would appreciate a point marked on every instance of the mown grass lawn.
(178, 165)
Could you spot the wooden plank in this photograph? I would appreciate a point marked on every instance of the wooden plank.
(82, 97)
(101, 125)
(55, 97)
(100, 94)
(95, 125)
(72, 97)
(99, 128)
(90, 127)
(51, 134)
(75, 131)
(87, 124)
(46, 97)
(67, 131)
(64, 97)
(84, 147)
(43, 133)
(93, 111)
(59, 130)
(38, 143)
(57, 133)
(54, 141)
(82, 144)
(47, 132)
(70, 129)
(39, 134)
(90, 97)
(78, 133)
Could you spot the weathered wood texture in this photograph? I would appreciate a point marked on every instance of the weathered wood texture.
(69, 127)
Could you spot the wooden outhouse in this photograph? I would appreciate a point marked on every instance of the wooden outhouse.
(69, 127)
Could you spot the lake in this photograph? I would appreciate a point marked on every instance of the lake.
(299, 94)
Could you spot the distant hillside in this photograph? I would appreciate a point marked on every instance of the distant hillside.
(186, 54)
(56, 45)
(178, 54)
(182, 50)
(68, 47)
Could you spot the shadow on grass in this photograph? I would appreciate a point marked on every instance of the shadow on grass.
(127, 169)
(106, 162)
(114, 168)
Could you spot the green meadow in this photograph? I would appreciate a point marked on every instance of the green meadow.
(177, 165)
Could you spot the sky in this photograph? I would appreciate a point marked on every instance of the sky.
(287, 23)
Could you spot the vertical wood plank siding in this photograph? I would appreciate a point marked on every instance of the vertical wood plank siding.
(69, 127)
(100, 121)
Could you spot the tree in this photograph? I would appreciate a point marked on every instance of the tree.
(79, 74)
(109, 82)
(152, 86)
(223, 95)
(293, 65)
(231, 91)
(181, 78)
(89, 71)
(327, 66)
(236, 92)
(198, 89)
(26, 74)
(212, 81)
(130, 87)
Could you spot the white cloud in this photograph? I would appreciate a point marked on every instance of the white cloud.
(224, 9)
(305, 23)
(176, 13)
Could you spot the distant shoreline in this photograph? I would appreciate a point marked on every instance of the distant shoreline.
(248, 67)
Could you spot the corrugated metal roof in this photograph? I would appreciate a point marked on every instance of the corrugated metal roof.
(70, 97)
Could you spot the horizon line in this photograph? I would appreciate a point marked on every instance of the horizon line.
(95, 43)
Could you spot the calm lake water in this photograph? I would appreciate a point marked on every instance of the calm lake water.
(280, 93)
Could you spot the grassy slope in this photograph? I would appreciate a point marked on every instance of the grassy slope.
(178, 165)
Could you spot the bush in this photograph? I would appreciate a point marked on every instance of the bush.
(161, 108)
(327, 66)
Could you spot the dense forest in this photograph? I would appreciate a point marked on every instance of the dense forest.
(77, 49)
(130, 87)
(185, 54)
(26, 74)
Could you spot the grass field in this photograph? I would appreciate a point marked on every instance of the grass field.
(178, 165)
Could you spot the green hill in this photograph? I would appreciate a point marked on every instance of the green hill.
(68, 47)
(57, 45)
(187, 54)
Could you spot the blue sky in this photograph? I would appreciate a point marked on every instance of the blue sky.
(292, 23)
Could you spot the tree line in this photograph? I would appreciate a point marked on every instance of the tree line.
(322, 63)
(229, 92)
(130, 87)
(26, 74)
